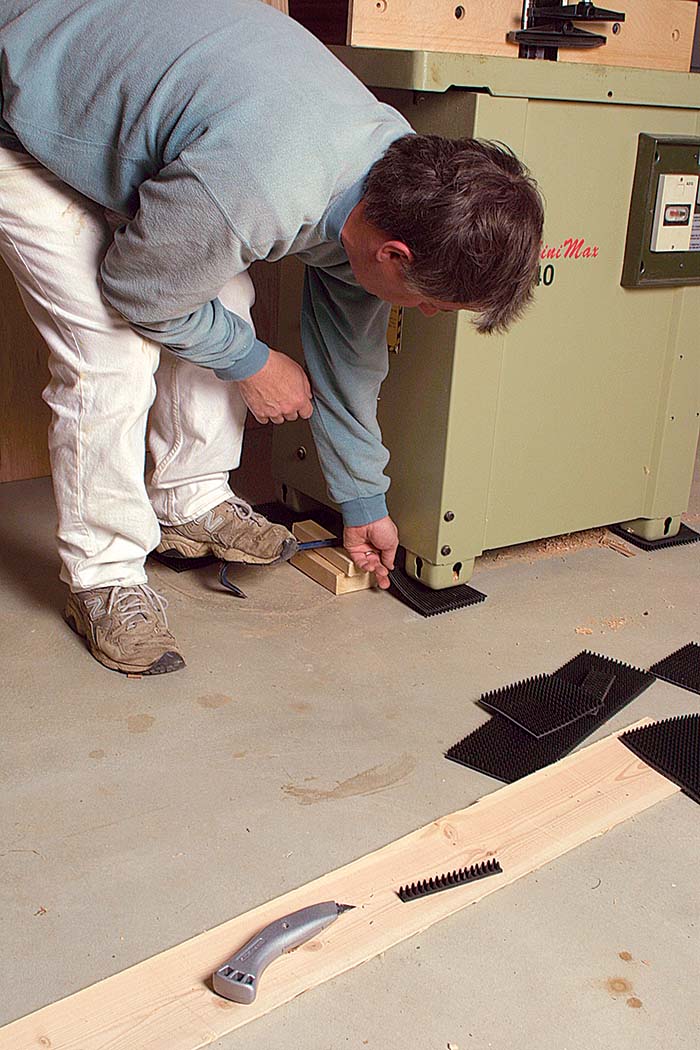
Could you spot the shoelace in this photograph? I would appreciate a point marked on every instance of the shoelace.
(132, 604)
(244, 510)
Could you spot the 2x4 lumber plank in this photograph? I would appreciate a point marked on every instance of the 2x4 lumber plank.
(314, 565)
(305, 531)
(165, 1003)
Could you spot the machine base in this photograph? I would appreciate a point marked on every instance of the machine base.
(683, 535)
(437, 577)
(650, 528)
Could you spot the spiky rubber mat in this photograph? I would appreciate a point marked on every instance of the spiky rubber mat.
(684, 535)
(273, 511)
(543, 704)
(438, 883)
(672, 748)
(178, 563)
(501, 749)
(423, 599)
(681, 668)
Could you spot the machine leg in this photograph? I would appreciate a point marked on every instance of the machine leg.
(437, 577)
(295, 500)
(653, 528)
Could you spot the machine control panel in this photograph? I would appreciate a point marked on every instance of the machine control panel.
(663, 230)
(674, 213)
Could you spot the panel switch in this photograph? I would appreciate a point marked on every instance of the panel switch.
(673, 214)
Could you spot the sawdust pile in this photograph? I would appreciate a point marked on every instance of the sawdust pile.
(555, 547)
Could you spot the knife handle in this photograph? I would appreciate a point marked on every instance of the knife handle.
(238, 978)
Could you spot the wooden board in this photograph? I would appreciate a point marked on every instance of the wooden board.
(305, 531)
(165, 1003)
(24, 418)
(314, 565)
(657, 34)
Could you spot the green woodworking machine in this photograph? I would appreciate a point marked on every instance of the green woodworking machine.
(587, 412)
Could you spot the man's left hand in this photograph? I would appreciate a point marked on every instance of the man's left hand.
(373, 547)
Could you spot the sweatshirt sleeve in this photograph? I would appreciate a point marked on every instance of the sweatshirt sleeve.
(344, 338)
(165, 268)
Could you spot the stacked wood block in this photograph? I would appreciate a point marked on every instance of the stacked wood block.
(332, 567)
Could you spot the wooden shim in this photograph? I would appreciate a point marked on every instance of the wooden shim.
(314, 565)
(657, 34)
(165, 1003)
(338, 556)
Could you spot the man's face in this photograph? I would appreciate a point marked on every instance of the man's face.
(386, 280)
(389, 284)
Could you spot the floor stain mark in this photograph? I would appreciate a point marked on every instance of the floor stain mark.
(300, 707)
(34, 851)
(368, 782)
(139, 723)
(618, 986)
(212, 701)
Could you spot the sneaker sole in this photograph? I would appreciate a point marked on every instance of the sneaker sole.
(194, 549)
(169, 661)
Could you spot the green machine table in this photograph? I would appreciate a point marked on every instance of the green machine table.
(587, 412)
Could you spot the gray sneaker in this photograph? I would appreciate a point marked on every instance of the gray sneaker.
(231, 531)
(126, 629)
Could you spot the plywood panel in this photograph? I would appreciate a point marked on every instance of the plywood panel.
(24, 418)
(266, 281)
(657, 34)
(254, 477)
(166, 1003)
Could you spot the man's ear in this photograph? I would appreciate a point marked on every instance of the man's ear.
(394, 251)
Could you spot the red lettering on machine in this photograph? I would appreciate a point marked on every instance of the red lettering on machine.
(571, 248)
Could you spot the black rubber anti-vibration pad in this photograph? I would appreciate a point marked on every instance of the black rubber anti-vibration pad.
(438, 883)
(598, 682)
(180, 564)
(503, 750)
(423, 599)
(681, 668)
(684, 535)
(672, 748)
(281, 514)
(628, 684)
(542, 704)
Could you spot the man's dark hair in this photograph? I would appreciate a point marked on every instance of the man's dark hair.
(471, 215)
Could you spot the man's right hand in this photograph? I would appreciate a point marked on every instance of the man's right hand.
(279, 391)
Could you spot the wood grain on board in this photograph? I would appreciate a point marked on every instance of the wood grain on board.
(656, 34)
(166, 1002)
(24, 418)
(338, 556)
(314, 565)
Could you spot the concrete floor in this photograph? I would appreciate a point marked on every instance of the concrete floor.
(306, 731)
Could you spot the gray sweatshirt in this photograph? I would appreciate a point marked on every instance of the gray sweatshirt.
(224, 133)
